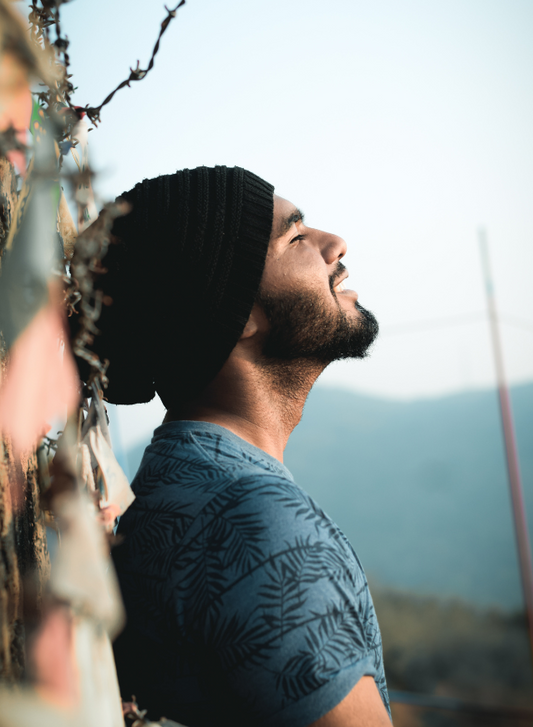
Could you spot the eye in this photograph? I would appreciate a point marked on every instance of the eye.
(296, 239)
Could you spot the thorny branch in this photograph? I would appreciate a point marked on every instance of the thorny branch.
(56, 98)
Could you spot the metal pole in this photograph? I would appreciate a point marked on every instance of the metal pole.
(513, 467)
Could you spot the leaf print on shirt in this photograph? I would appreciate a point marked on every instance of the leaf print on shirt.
(331, 638)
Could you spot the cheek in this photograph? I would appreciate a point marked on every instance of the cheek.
(287, 275)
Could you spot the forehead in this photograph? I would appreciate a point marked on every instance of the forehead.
(285, 215)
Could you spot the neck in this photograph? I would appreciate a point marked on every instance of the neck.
(260, 404)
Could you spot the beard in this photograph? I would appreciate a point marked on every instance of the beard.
(304, 328)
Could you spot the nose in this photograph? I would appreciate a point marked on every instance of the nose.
(333, 247)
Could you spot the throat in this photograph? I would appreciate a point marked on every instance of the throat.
(287, 384)
(292, 380)
(262, 407)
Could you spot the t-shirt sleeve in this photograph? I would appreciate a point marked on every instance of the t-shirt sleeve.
(287, 623)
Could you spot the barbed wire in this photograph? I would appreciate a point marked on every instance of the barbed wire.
(81, 298)
(137, 73)
(44, 15)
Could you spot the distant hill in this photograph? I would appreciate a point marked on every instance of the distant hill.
(420, 488)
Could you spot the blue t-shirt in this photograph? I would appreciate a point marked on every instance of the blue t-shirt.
(246, 604)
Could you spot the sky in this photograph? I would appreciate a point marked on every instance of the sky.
(404, 127)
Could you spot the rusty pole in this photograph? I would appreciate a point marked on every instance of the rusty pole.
(513, 466)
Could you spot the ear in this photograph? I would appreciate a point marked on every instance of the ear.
(252, 324)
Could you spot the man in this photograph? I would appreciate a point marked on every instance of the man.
(246, 604)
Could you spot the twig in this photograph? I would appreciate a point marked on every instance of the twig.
(91, 247)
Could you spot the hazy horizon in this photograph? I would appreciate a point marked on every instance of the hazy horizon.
(126, 420)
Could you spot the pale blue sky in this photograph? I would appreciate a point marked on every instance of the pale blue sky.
(402, 125)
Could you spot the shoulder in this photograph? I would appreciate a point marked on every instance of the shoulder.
(283, 508)
(264, 533)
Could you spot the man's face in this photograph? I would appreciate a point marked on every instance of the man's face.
(311, 314)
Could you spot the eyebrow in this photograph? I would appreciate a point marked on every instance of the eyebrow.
(286, 223)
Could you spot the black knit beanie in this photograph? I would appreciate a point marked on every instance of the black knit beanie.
(183, 274)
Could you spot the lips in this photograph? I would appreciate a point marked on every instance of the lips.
(340, 287)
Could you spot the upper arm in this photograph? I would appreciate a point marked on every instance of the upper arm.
(362, 707)
(294, 626)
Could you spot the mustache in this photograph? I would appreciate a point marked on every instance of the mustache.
(336, 274)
